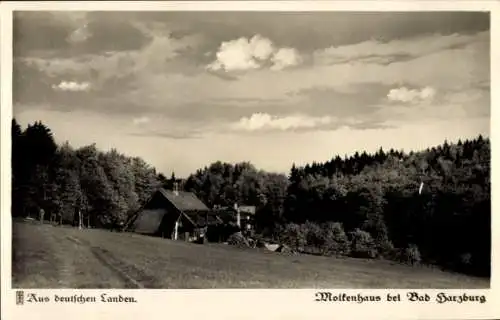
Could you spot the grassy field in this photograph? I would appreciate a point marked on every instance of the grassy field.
(61, 257)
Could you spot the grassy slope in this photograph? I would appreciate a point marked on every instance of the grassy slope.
(43, 257)
(47, 258)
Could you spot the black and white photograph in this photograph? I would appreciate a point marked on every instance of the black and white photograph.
(248, 149)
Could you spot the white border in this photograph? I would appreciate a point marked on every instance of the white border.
(239, 304)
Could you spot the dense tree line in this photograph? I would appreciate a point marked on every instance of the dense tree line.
(105, 186)
(371, 205)
(365, 205)
(377, 201)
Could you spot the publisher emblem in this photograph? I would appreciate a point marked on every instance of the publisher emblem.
(19, 297)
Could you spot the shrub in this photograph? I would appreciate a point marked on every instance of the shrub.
(362, 244)
(237, 239)
(386, 250)
(294, 236)
(336, 241)
(411, 255)
(314, 236)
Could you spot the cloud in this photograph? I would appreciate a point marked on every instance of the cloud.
(466, 104)
(160, 77)
(285, 57)
(261, 48)
(113, 70)
(71, 86)
(248, 54)
(346, 89)
(330, 28)
(380, 52)
(264, 121)
(233, 56)
(404, 94)
(141, 120)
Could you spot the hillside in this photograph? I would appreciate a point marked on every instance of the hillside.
(69, 258)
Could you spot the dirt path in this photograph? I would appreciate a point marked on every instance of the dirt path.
(108, 261)
(47, 259)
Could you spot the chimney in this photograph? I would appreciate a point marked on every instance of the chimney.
(238, 216)
(176, 188)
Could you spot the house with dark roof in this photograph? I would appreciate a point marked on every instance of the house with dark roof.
(173, 214)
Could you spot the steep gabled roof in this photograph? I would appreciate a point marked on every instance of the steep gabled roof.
(148, 220)
(184, 201)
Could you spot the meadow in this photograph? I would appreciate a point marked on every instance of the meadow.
(46, 256)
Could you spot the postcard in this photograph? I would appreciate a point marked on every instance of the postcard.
(237, 160)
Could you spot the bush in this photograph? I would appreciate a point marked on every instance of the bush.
(315, 236)
(386, 250)
(237, 239)
(294, 236)
(336, 241)
(411, 255)
(362, 244)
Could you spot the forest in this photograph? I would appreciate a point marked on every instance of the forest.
(423, 207)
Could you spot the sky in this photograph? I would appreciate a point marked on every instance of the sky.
(184, 89)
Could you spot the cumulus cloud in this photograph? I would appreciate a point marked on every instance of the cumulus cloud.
(404, 94)
(71, 86)
(285, 57)
(247, 54)
(261, 48)
(264, 121)
(234, 55)
(141, 120)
